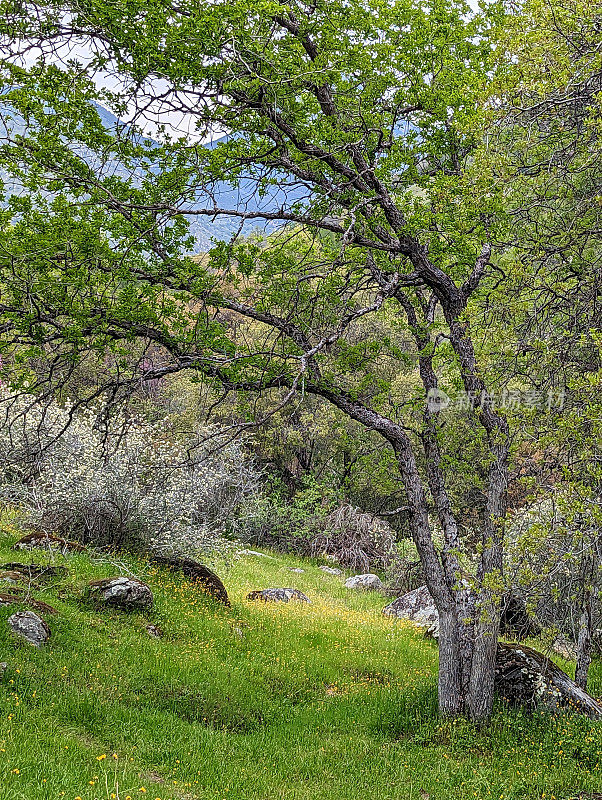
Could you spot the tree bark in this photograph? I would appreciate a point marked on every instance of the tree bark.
(584, 640)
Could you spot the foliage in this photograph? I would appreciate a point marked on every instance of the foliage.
(552, 544)
(395, 255)
(134, 485)
(311, 526)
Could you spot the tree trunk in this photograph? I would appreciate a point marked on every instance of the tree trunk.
(482, 674)
(584, 641)
(467, 652)
(451, 696)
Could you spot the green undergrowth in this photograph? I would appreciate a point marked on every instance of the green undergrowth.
(255, 702)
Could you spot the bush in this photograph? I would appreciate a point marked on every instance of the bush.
(357, 540)
(554, 551)
(135, 486)
(405, 572)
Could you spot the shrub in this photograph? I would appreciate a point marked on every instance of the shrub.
(357, 540)
(404, 573)
(135, 486)
(554, 552)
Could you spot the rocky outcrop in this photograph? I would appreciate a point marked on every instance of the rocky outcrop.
(46, 541)
(35, 571)
(121, 592)
(197, 573)
(29, 627)
(331, 570)
(527, 678)
(418, 607)
(9, 599)
(12, 577)
(366, 582)
(16, 574)
(22, 598)
(278, 595)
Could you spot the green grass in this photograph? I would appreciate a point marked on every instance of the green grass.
(257, 702)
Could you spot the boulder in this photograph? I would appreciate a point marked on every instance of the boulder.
(121, 592)
(331, 570)
(12, 577)
(366, 582)
(416, 606)
(30, 627)
(278, 595)
(528, 678)
(9, 599)
(419, 607)
(46, 541)
(198, 573)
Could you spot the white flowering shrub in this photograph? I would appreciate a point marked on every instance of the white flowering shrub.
(139, 485)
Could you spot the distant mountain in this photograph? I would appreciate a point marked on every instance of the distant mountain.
(243, 197)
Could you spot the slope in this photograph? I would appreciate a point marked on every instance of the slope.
(260, 701)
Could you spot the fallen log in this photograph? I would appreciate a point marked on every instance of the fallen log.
(527, 678)
(522, 675)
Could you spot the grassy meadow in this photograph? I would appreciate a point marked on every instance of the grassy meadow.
(258, 702)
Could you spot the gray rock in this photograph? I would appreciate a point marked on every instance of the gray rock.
(121, 592)
(278, 595)
(298, 570)
(367, 582)
(154, 632)
(254, 553)
(331, 570)
(30, 627)
(418, 607)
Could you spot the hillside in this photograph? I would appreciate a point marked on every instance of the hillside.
(259, 701)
